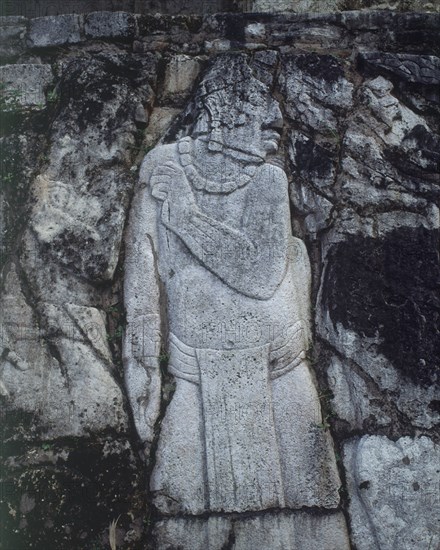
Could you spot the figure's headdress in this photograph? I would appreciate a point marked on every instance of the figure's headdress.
(218, 101)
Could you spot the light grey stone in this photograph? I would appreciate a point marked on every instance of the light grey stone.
(45, 32)
(70, 400)
(180, 75)
(329, 6)
(210, 228)
(255, 31)
(353, 399)
(24, 85)
(107, 24)
(217, 45)
(160, 120)
(300, 6)
(297, 531)
(141, 115)
(394, 492)
(283, 531)
(192, 534)
(383, 123)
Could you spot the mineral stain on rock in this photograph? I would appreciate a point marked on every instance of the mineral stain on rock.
(389, 288)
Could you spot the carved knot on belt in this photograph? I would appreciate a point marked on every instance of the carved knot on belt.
(284, 355)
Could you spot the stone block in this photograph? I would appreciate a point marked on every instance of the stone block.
(218, 45)
(106, 24)
(46, 32)
(24, 85)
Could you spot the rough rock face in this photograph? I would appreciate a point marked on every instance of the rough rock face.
(60, 378)
(329, 305)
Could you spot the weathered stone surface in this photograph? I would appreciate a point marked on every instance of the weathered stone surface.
(288, 5)
(394, 492)
(217, 46)
(194, 534)
(292, 531)
(107, 24)
(423, 69)
(30, 8)
(42, 8)
(160, 121)
(285, 531)
(60, 322)
(355, 400)
(24, 86)
(70, 399)
(53, 31)
(316, 90)
(255, 32)
(63, 493)
(322, 6)
(389, 248)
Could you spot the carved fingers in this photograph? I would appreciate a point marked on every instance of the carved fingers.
(163, 177)
(288, 351)
(170, 185)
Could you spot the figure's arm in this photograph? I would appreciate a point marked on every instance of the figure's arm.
(251, 260)
(142, 339)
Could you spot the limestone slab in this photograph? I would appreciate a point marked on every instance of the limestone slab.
(283, 531)
(24, 85)
(242, 431)
(46, 32)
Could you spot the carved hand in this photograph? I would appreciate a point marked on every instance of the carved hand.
(170, 185)
(141, 349)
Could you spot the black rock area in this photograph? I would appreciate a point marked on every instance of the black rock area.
(390, 288)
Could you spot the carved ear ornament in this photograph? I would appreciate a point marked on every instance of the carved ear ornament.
(185, 148)
(215, 143)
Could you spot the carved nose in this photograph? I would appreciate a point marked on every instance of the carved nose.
(274, 119)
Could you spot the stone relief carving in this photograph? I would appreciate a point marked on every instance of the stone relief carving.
(212, 266)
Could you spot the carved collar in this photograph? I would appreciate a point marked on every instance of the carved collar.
(185, 147)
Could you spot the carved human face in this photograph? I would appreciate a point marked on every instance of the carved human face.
(256, 126)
